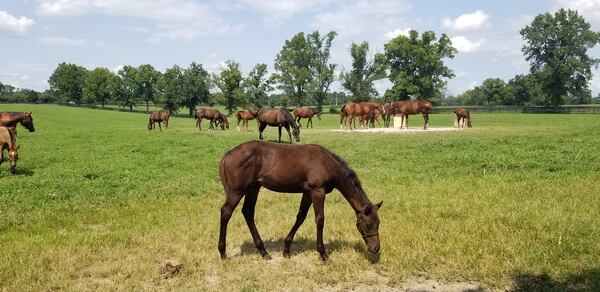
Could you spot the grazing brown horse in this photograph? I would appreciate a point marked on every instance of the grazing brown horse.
(8, 141)
(11, 119)
(213, 115)
(277, 118)
(370, 118)
(462, 114)
(308, 169)
(159, 117)
(350, 110)
(245, 116)
(407, 107)
(221, 121)
(305, 112)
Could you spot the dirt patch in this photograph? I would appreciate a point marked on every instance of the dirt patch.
(398, 130)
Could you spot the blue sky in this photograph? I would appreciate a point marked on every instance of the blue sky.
(36, 35)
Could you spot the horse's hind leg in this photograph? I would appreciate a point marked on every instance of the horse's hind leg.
(304, 206)
(231, 201)
(318, 199)
(248, 211)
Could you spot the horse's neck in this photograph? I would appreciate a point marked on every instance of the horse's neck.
(12, 141)
(356, 197)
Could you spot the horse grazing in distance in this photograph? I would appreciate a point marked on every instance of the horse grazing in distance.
(407, 107)
(245, 116)
(160, 116)
(370, 118)
(8, 141)
(308, 169)
(462, 114)
(350, 110)
(213, 115)
(305, 112)
(11, 119)
(279, 118)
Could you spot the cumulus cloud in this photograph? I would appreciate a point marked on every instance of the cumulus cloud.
(464, 45)
(396, 32)
(63, 41)
(589, 8)
(10, 25)
(173, 19)
(277, 10)
(361, 16)
(469, 21)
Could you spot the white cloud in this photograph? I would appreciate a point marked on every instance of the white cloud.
(10, 25)
(394, 33)
(464, 45)
(361, 16)
(469, 21)
(174, 19)
(588, 8)
(277, 10)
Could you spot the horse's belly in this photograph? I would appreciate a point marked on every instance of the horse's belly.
(281, 187)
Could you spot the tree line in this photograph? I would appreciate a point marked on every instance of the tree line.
(556, 47)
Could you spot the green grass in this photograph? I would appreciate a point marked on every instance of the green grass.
(99, 202)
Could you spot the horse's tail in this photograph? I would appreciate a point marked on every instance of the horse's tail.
(223, 174)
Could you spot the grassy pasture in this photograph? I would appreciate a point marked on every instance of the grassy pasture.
(99, 202)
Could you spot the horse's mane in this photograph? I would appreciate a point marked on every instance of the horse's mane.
(348, 173)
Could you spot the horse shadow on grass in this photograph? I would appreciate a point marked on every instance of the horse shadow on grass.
(19, 171)
(303, 244)
(587, 280)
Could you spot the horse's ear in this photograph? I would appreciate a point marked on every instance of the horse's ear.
(30, 114)
(379, 204)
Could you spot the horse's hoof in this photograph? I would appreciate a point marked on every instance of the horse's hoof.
(287, 254)
(266, 256)
(324, 257)
(223, 256)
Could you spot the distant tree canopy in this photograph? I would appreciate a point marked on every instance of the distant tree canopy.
(257, 86)
(228, 81)
(556, 47)
(97, 85)
(416, 65)
(67, 82)
(365, 70)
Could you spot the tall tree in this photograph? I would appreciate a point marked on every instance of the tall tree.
(257, 85)
(196, 85)
(171, 85)
(416, 65)
(293, 68)
(146, 79)
(97, 86)
(124, 87)
(323, 73)
(228, 81)
(556, 48)
(67, 81)
(359, 81)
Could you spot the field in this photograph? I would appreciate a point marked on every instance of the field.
(99, 202)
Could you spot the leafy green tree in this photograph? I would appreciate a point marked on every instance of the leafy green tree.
(228, 81)
(67, 81)
(416, 65)
(48, 96)
(556, 47)
(359, 81)
(97, 85)
(124, 87)
(146, 78)
(195, 87)
(293, 68)
(490, 92)
(258, 85)
(171, 85)
(323, 73)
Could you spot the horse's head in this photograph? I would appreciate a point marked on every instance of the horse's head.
(381, 108)
(296, 132)
(13, 156)
(224, 124)
(27, 122)
(367, 223)
(319, 115)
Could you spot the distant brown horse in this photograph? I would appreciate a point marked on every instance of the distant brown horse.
(159, 117)
(462, 114)
(369, 119)
(406, 108)
(305, 112)
(8, 141)
(350, 110)
(213, 115)
(11, 119)
(277, 118)
(245, 116)
(221, 121)
(308, 169)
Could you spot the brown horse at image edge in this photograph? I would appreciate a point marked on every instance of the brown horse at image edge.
(315, 172)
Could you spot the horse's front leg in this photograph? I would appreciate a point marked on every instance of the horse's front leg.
(318, 199)
(231, 201)
(287, 128)
(426, 120)
(309, 121)
(159, 126)
(261, 128)
(248, 211)
(303, 210)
